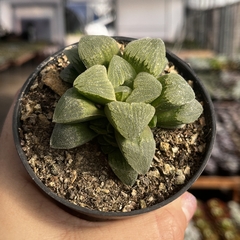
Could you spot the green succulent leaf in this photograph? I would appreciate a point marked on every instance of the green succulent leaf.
(175, 92)
(103, 127)
(146, 88)
(130, 119)
(67, 136)
(153, 122)
(121, 168)
(119, 71)
(106, 149)
(102, 141)
(73, 58)
(122, 92)
(69, 74)
(110, 138)
(138, 152)
(99, 125)
(178, 116)
(72, 107)
(146, 55)
(95, 50)
(95, 85)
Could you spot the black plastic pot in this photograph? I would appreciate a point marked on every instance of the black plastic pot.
(187, 73)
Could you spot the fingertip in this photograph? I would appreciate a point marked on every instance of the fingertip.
(189, 205)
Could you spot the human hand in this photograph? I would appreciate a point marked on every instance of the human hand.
(26, 213)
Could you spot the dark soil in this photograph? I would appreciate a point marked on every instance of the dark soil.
(82, 175)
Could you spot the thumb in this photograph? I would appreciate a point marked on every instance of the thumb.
(166, 223)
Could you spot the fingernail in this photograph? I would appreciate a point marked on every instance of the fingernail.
(189, 205)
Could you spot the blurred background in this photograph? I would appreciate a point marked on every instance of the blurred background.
(205, 33)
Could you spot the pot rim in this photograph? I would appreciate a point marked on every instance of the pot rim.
(89, 214)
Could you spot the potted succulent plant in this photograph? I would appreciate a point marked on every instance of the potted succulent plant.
(113, 127)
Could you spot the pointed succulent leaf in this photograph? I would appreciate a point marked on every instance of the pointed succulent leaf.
(68, 74)
(72, 107)
(105, 145)
(106, 149)
(109, 138)
(99, 125)
(95, 85)
(138, 152)
(128, 84)
(121, 168)
(102, 141)
(122, 92)
(98, 130)
(95, 50)
(67, 136)
(175, 92)
(153, 122)
(130, 119)
(146, 55)
(73, 58)
(146, 88)
(179, 116)
(110, 128)
(119, 71)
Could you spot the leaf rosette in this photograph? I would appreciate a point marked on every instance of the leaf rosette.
(117, 96)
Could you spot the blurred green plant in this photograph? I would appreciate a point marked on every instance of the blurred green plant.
(119, 94)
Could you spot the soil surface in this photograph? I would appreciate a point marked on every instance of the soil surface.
(82, 175)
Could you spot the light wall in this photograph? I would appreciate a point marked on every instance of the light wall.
(151, 18)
